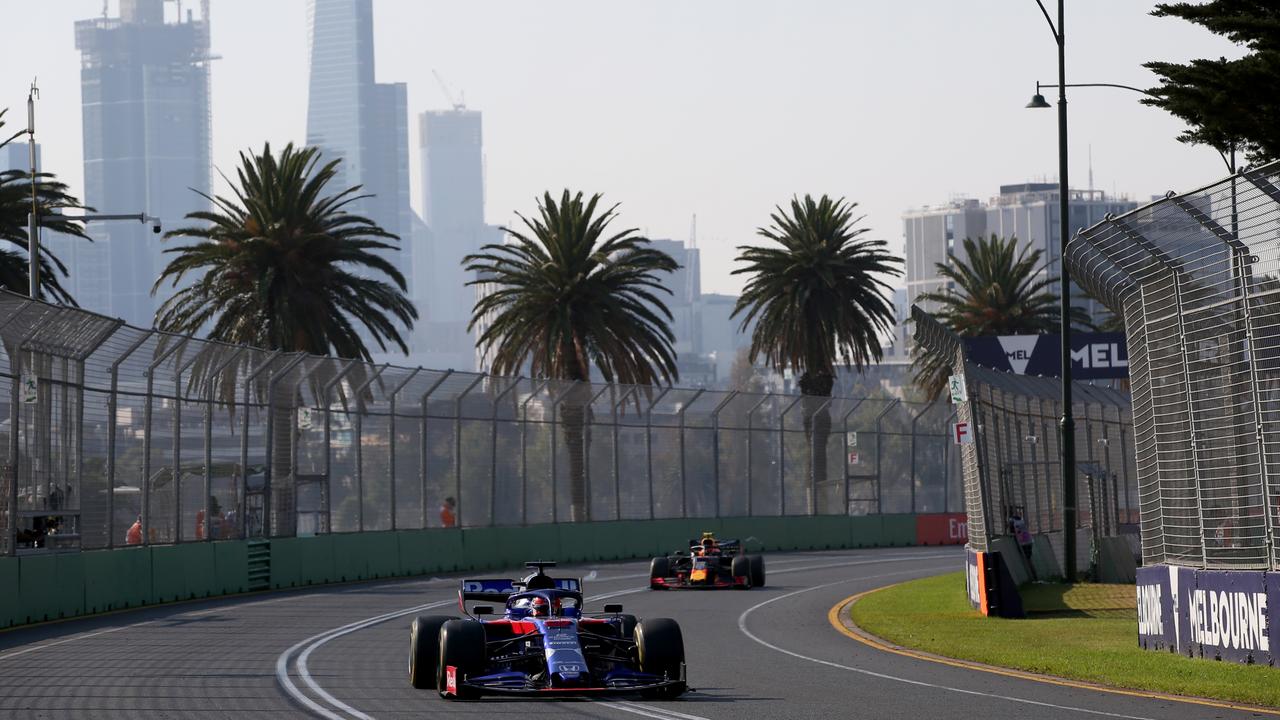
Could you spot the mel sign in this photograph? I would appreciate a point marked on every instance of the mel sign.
(1094, 356)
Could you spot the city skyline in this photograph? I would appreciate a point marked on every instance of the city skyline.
(707, 125)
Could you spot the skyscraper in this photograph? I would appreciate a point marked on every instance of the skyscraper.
(350, 116)
(144, 85)
(453, 199)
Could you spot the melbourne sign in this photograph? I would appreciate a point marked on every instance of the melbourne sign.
(1223, 615)
(1094, 356)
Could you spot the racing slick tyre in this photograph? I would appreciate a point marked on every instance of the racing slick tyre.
(757, 571)
(424, 650)
(660, 647)
(659, 567)
(742, 567)
(461, 646)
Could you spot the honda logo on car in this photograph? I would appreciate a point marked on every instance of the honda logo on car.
(1228, 619)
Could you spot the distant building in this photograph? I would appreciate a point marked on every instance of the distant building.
(16, 156)
(1026, 211)
(350, 116)
(144, 86)
(453, 202)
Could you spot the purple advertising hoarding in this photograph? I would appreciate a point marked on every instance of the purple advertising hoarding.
(1214, 614)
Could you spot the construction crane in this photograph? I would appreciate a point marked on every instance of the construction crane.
(460, 103)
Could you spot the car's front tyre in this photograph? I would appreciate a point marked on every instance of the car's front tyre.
(660, 647)
(462, 646)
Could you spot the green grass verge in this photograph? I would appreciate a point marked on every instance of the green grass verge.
(1074, 632)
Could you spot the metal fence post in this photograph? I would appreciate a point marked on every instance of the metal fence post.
(555, 428)
(391, 465)
(457, 447)
(268, 475)
(422, 470)
(208, 434)
(684, 494)
(524, 456)
(751, 414)
(177, 455)
(493, 450)
(782, 456)
(879, 434)
(242, 492)
(112, 420)
(715, 448)
(357, 397)
(146, 441)
(346, 366)
(648, 444)
(617, 471)
(844, 424)
(588, 419)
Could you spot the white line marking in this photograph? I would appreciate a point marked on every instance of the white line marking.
(742, 625)
(649, 710)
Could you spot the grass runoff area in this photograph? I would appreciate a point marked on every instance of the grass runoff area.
(1081, 632)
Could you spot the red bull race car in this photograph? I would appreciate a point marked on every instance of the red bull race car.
(709, 564)
(543, 644)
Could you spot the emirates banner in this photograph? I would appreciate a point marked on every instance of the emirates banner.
(1215, 614)
(1094, 356)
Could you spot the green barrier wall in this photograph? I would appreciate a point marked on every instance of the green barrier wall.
(36, 588)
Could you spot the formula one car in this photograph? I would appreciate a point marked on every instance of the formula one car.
(709, 564)
(544, 644)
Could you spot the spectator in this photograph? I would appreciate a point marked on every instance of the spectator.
(134, 535)
(447, 516)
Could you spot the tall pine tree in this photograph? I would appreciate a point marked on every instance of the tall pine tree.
(1230, 105)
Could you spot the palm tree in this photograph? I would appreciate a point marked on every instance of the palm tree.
(818, 299)
(569, 294)
(283, 265)
(998, 289)
(15, 205)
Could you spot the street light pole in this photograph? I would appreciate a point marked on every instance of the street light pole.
(1067, 424)
(33, 217)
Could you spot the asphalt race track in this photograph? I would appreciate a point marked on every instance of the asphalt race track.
(340, 653)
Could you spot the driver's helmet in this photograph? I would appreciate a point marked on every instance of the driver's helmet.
(539, 607)
(708, 545)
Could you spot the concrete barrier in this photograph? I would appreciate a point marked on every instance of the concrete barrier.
(35, 588)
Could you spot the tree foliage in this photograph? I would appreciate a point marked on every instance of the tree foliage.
(1227, 104)
(284, 265)
(818, 294)
(996, 288)
(15, 204)
(567, 295)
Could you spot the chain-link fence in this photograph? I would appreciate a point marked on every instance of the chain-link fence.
(112, 435)
(1014, 464)
(1196, 278)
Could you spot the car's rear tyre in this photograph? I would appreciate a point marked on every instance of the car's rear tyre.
(659, 567)
(741, 568)
(660, 647)
(424, 650)
(757, 571)
(462, 646)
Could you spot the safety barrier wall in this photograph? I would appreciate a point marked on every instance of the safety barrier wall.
(36, 588)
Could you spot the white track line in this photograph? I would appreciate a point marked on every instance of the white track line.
(742, 625)
(316, 641)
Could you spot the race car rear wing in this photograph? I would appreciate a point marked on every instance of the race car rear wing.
(499, 589)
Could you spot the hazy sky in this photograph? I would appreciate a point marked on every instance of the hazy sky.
(722, 108)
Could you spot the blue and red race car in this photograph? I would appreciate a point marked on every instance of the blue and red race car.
(708, 564)
(543, 644)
